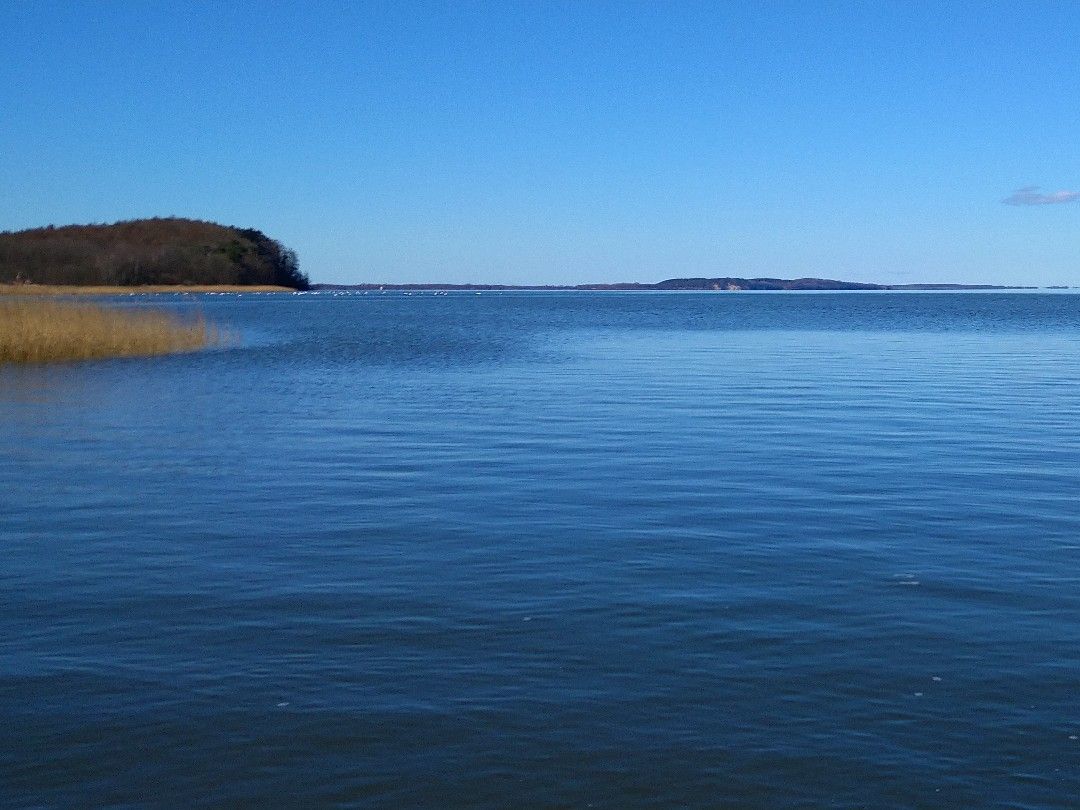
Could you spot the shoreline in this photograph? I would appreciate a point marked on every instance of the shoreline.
(746, 286)
(181, 289)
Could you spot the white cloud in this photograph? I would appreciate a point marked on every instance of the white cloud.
(1030, 195)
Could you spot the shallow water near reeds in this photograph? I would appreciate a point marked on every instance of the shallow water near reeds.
(551, 550)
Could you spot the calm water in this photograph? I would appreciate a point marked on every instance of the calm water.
(552, 550)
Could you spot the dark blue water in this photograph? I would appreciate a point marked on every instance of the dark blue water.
(551, 550)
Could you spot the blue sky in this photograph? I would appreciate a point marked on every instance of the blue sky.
(548, 142)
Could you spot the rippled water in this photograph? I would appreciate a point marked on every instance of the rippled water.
(557, 550)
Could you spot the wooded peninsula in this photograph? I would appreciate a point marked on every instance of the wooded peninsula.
(167, 251)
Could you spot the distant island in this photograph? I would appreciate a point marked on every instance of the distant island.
(675, 284)
(162, 252)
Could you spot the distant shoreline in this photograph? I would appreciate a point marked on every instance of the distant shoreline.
(673, 285)
(684, 285)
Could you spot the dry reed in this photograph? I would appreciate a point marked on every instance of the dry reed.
(41, 331)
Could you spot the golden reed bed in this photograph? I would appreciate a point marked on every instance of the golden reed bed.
(33, 330)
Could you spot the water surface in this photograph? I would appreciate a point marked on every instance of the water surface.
(551, 549)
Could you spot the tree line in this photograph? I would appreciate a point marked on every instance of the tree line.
(163, 250)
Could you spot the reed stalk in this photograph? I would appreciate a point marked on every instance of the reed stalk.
(34, 330)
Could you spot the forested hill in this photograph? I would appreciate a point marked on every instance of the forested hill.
(147, 251)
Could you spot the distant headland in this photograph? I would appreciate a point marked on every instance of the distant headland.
(678, 284)
(167, 252)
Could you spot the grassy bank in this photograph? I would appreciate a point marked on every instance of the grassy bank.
(57, 289)
(42, 331)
